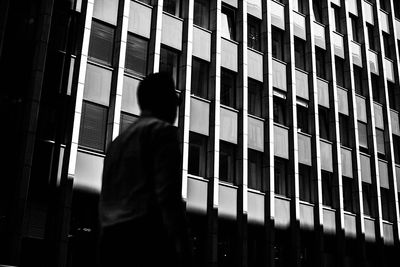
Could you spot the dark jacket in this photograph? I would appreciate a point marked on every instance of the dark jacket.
(142, 180)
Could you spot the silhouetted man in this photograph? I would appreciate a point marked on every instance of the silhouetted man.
(141, 210)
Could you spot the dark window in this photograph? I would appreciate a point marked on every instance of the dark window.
(92, 133)
(280, 110)
(277, 44)
(169, 63)
(299, 6)
(228, 25)
(197, 154)
(397, 9)
(202, 13)
(327, 188)
(324, 121)
(302, 119)
(396, 149)
(200, 78)
(136, 55)
(348, 194)
(126, 121)
(320, 63)
(384, 5)
(254, 33)
(228, 88)
(386, 204)
(354, 28)
(305, 183)
(255, 97)
(340, 74)
(358, 82)
(336, 14)
(344, 128)
(101, 43)
(363, 134)
(394, 96)
(281, 177)
(386, 45)
(146, 1)
(317, 8)
(300, 53)
(371, 38)
(367, 199)
(255, 179)
(172, 7)
(227, 159)
(376, 91)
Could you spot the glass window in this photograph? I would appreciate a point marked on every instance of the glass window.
(396, 149)
(302, 119)
(298, 6)
(126, 121)
(317, 8)
(323, 116)
(396, 5)
(92, 133)
(305, 183)
(129, 98)
(320, 63)
(367, 199)
(255, 179)
(202, 13)
(281, 177)
(300, 53)
(97, 85)
(228, 88)
(106, 10)
(354, 28)
(277, 44)
(386, 203)
(227, 160)
(255, 98)
(380, 141)
(344, 127)
(336, 15)
(169, 60)
(197, 154)
(280, 110)
(136, 55)
(101, 43)
(327, 188)
(253, 33)
(348, 194)
(358, 82)
(172, 7)
(340, 76)
(228, 25)
(200, 76)
(363, 134)
(371, 38)
(376, 91)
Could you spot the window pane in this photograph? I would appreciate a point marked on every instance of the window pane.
(348, 194)
(169, 63)
(93, 126)
(280, 110)
(323, 117)
(101, 43)
(255, 98)
(172, 7)
(362, 134)
(302, 119)
(305, 183)
(277, 44)
(129, 98)
(201, 13)
(197, 154)
(106, 10)
(228, 23)
(300, 54)
(228, 88)
(255, 179)
(281, 177)
(97, 85)
(254, 34)
(200, 78)
(327, 188)
(227, 162)
(136, 55)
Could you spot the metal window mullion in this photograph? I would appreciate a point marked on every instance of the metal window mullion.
(155, 37)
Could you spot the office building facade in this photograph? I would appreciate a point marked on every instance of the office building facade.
(289, 125)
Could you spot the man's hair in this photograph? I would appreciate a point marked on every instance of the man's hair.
(156, 91)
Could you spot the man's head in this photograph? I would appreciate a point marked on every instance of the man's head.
(156, 95)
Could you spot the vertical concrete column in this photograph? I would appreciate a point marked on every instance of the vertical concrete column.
(29, 124)
(372, 130)
(153, 64)
(186, 79)
(293, 141)
(315, 140)
(113, 123)
(242, 133)
(268, 114)
(213, 152)
(392, 23)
